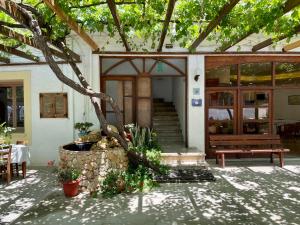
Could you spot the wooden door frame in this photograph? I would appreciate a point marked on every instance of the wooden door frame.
(183, 73)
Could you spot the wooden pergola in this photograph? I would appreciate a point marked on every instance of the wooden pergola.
(9, 32)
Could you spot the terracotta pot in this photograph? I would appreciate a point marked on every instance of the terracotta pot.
(71, 188)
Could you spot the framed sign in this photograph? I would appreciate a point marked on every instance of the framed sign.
(294, 100)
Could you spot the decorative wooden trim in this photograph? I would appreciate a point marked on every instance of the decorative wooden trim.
(114, 65)
(113, 9)
(71, 23)
(289, 5)
(18, 53)
(4, 59)
(222, 13)
(117, 54)
(270, 41)
(218, 61)
(164, 31)
(53, 101)
(291, 46)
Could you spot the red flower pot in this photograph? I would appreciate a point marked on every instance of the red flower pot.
(71, 188)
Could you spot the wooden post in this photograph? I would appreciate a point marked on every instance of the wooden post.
(222, 162)
(281, 159)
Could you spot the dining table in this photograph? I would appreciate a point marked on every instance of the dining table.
(20, 155)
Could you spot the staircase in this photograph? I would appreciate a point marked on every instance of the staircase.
(166, 125)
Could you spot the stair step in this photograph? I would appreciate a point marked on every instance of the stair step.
(170, 135)
(162, 130)
(165, 109)
(163, 123)
(170, 140)
(158, 104)
(178, 159)
(167, 113)
(165, 118)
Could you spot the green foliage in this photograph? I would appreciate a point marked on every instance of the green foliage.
(83, 126)
(136, 177)
(143, 20)
(67, 174)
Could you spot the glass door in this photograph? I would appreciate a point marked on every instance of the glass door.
(256, 112)
(221, 112)
(122, 91)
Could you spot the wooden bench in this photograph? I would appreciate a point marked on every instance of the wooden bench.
(246, 144)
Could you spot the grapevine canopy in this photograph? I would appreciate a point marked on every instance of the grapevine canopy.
(147, 25)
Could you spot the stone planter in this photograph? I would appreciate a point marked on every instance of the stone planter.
(94, 164)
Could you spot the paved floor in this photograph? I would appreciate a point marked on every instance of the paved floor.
(254, 193)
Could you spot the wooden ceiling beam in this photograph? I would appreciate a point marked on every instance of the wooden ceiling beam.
(288, 6)
(270, 41)
(30, 41)
(113, 9)
(4, 60)
(18, 53)
(164, 31)
(71, 23)
(291, 46)
(9, 8)
(215, 22)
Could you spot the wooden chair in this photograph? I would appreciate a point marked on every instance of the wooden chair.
(5, 163)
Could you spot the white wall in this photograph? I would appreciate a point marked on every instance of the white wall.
(180, 101)
(162, 88)
(196, 115)
(282, 110)
(48, 134)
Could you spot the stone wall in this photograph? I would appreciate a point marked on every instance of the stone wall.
(94, 164)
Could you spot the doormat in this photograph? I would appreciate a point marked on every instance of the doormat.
(185, 174)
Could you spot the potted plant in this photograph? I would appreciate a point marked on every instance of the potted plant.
(5, 133)
(83, 128)
(69, 177)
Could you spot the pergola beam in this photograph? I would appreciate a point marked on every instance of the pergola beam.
(169, 13)
(270, 41)
(289, 5)
(113, 9)
(4, 60)
(215, 22)
(29, 41)
(291, 46)
(71, 23)
(18, 53)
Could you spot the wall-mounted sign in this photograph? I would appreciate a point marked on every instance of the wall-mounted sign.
(160, 67)
(196, 91)
(197, 102)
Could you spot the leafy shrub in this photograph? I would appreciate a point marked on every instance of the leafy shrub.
(137, 177)
(67, 174)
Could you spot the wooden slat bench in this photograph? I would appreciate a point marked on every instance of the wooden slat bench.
(246, 144)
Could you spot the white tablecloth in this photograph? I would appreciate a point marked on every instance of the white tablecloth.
(20, 153)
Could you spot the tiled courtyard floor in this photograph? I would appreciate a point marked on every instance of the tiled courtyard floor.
(245, 192)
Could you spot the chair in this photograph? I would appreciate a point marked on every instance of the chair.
(5, 162)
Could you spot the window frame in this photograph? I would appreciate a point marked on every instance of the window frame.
(13, 85)
(53, 101)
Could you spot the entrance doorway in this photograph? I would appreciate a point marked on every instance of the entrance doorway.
(136, 84)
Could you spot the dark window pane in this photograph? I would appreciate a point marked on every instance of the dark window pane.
(256, 99)
(287, 74)
(221, 77)
(221, 99)
(20, 106)
(255, 128)
(220, 127)
(256, 74)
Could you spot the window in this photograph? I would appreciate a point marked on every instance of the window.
(53, 105)
(12, 105)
